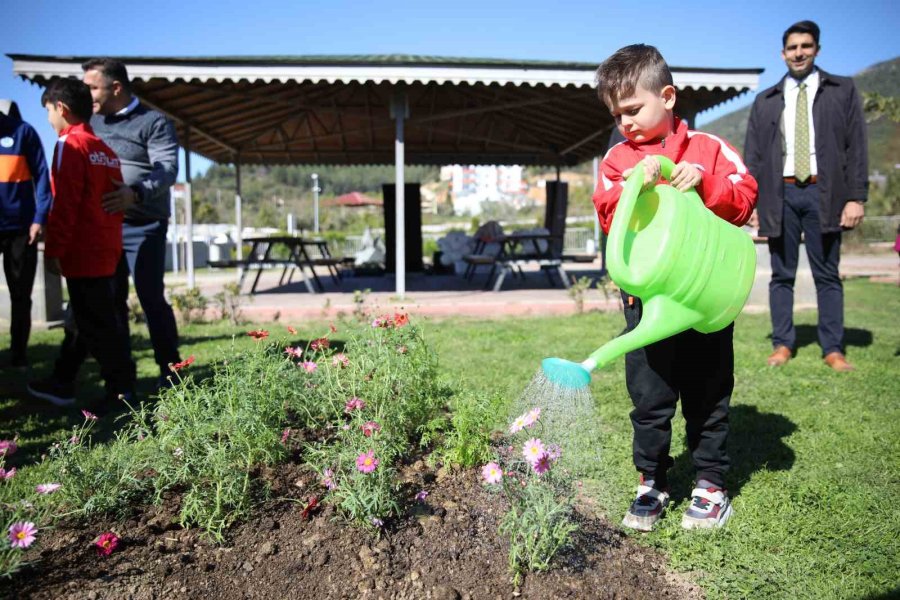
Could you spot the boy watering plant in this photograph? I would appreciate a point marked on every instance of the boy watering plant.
(84, 244)
(636, 85)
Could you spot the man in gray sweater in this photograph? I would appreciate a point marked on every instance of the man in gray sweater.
(147, 147)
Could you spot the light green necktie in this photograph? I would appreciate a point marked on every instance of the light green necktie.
(801, 137)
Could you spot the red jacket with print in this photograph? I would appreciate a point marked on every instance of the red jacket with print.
(85, 238)
(726, 187)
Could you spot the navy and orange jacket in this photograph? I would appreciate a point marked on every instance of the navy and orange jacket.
(24, 182)
(85, 238)
(726, 187)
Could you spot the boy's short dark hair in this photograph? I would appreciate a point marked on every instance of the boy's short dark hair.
(112, 69)
(619, 75)
(801, 27)
(73, 93)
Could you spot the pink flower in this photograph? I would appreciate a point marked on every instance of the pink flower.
(370, 427)
(310, 366)
(319, 344)
(88, 415)
(295, 352)
(377, 322)
(377, 522)
(532, 450)
(420, 497)
(258, 334)
(354, 403)
(400, 319)
(518, 424)
(285, 435)
(554, 452)
(4, 474)
(7, 447)
(291, 330)
(542, 464)
(22, 534)
(328, 479)
(47, 488)
(180, 365)
(340, 360)
(74, 440)
(491, 473)
(366, 462)
(106, 543)
(526, 420)
(533, 415)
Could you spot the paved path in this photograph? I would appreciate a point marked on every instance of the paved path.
(447, 295)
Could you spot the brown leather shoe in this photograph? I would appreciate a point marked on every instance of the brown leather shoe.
(781, 355)
(838, 362)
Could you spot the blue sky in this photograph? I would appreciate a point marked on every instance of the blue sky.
(707, 33)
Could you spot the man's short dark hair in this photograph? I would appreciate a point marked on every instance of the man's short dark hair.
(619, 75)
(111, 69)
(73, 93)
(801, 27)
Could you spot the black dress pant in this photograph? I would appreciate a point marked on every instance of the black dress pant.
(19, 265)
(695, 367)
(103, 332)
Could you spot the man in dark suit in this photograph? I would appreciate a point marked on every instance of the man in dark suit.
(806, 146)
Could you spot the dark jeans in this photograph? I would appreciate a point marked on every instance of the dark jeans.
(19, 265)
(103, 332)
(801, 215)
(144, 256)
(698, 368)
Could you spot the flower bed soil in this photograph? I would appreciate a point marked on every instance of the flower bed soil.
(447, 548)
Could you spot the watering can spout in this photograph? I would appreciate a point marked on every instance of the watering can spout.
(662, 318)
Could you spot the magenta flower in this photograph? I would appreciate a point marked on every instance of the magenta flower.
(106, 543)
(352, 404)
(366, 462)
(4, 474)
(7, 447)
(491, 473)
(285, 435)
(533, 449)
(542, 464)
(328, 479)
(420, 497)
(340, 360)
(47, 488)
(88, 415)
(310, 366)
(22, 534)
(370, 427)
(321, 343)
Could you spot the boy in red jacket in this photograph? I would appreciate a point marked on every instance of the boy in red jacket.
(636, 85)
(84, 243)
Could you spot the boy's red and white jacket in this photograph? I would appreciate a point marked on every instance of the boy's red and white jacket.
(727, 188)
(85, 238)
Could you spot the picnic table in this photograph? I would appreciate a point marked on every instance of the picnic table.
(517, 249)
(302, 254)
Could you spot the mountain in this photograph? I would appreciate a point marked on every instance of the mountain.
(884, 135)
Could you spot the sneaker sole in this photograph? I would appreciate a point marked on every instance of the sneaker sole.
(641, 523)
(693, 523)
(55, 400)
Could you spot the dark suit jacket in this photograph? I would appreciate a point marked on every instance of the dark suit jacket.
(841, 152)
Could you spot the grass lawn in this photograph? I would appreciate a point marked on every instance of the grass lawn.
(816, 455)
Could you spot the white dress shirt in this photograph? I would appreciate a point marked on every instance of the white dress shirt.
(791, 90)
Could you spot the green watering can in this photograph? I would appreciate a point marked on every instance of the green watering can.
(690, 268)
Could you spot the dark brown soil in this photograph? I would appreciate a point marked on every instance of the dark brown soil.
(447, 548)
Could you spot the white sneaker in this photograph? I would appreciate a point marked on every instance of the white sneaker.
(709, 508)
(647, 508)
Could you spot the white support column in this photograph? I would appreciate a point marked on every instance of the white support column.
(238, 218)
(173, 211)
(596, 216)
(399, 112)
(188, 212)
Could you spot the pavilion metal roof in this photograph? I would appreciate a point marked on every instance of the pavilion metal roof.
(336, 109)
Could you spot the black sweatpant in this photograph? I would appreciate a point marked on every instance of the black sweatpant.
(698, 368)
(19, 265)
(103, 332)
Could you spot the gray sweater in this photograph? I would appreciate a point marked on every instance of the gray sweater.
(147, 147)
